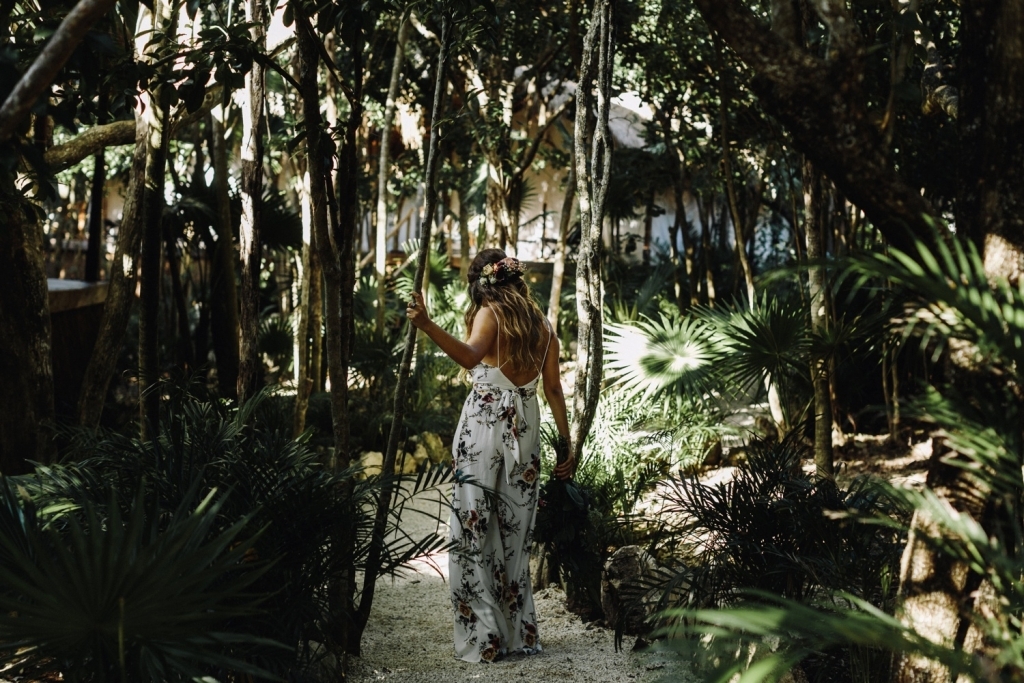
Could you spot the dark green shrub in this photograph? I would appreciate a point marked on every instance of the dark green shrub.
(774, 528)
(300, 524)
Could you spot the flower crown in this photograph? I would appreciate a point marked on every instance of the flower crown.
(500, 272)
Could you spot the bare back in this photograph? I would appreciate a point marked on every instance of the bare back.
(497, 355)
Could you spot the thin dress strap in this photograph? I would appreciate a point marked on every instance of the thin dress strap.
(547, 347)
(499, 347)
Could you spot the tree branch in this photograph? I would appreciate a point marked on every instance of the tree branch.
(822, 105)
(65, 155)
(939, 94)
(48, 64)
(836, 16)
(538, 139)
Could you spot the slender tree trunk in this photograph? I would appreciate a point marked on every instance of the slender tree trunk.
(303, 379)
(316, 320)
(156, 111)
(97, 231)
(703, 210)
(496, 212)
(679, 222)
(345, 230)
(186, 355)
(730, 181)
(334, 246)
(464, 254)
(120, 291)
(249, 237)
(383, 168)
(774, 399)
(564, 221)
(813, 208)
(592, 186)
(648, 234)
(223, 288)
(513, 211)
(373, 560)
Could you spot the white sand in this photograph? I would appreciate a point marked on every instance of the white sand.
(409, 639)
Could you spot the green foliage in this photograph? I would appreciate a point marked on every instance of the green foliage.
(670, 355)
(632, 433)
(150, 595)
(773, 528)
(277, 339)
(952, 304)
(435, 390)
(729, 350)
(268, 550)
(633, 445)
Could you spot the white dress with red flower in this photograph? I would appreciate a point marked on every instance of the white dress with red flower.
(496, 454)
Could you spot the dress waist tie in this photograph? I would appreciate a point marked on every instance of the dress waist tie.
(512, 414)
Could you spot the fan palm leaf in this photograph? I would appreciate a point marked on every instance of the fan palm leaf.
(767, 343)
(145, 597)
(652, 357)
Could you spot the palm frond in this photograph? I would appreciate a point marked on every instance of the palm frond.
(769, 342)
(664, 356)
(741, 643)
(129, 598)
(955, 298)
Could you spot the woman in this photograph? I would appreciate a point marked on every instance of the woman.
(496, 450)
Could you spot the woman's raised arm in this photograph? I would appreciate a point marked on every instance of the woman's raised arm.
(466, 353)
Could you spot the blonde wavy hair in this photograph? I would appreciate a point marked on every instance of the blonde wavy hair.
(520, 322)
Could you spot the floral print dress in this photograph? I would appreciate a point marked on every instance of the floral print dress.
(496, 455)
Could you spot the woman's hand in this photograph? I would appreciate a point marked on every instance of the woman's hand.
(566, 468)
(416, 311)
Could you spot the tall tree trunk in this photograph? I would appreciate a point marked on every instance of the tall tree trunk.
(334, 242)
(495, 211)
(464, 256)
(703, 210)
(156, 111)
(679, 222)
(303, 330)
(513, 212)
(383, 168)
(813, 209)
(374, 555)
(186, 355)
(592, 186)
(730, 180)
(26, 373)
(223, 288)
(316, 320)
(249, 237)
(97, 231)
(564, 220)
(648, 234)
(345, 231)
(121, 290)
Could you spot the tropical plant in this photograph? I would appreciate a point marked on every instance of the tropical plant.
(299, 523)
(731, 352)
(953, 307)
(148, 595)
(633, 446)
(774, 528)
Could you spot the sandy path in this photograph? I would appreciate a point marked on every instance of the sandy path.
(409, 638)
